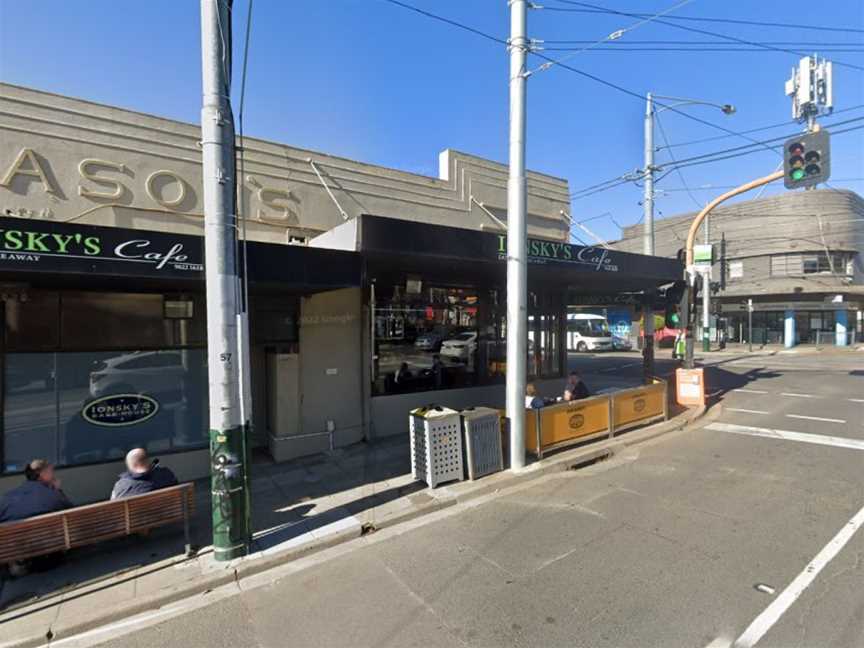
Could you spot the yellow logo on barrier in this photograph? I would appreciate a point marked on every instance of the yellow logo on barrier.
(639, 405)
(576, 421)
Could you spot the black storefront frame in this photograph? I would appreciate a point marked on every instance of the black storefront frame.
(441, 252)
(58, 257)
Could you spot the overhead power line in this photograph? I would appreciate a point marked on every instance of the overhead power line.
(783, 124)
(706, 32)
(732, 21)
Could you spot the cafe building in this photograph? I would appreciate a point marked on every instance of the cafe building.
(371, 290)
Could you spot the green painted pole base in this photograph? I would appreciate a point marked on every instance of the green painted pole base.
(706, 343)
(228, 494)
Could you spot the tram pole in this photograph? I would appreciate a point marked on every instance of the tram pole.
(227, 457)
(517, 240)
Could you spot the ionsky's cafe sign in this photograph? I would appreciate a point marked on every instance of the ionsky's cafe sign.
(540, 251)
(46, 246)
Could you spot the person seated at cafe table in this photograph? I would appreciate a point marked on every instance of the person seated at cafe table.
(575, 389)
(532, 400)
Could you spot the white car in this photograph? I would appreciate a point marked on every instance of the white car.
(460, 347)
(155, 373)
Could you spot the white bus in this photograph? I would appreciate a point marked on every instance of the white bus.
(588, 332)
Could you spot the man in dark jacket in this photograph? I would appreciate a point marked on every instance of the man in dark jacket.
(575, 389)
(142, 476)
(39, 494)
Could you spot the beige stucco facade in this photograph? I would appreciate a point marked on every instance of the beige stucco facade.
(68, 159)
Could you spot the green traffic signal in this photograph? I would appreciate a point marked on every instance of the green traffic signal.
(806, 160)
(798, 174)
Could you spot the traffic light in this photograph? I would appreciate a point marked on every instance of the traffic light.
(807, 160)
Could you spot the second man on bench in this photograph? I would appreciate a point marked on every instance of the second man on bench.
(142, 476)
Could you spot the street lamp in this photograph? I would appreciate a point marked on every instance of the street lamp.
(648, 211)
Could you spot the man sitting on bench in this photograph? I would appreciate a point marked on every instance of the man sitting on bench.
(142, 476)
(39, 494)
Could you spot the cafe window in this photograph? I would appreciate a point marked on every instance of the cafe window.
(75, 359)
(431, 337)
(59, 405)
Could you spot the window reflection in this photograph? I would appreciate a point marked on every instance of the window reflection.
(48, 393)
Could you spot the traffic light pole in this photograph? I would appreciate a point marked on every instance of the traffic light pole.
(517, 240)
(706, 295)
(690, 273)
(227, 448)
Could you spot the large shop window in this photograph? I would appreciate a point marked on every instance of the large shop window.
(119, 372)
(429, 337)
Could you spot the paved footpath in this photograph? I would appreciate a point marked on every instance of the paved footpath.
(718, 536)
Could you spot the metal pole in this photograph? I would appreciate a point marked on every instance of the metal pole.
(648, 239)
(706, 295)
(750, 326)
(230, 526)
(690, 274)
(517, 240)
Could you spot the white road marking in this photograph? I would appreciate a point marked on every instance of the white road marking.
(771, 614)
(750, 391)
(816, 418)
(856, 400)
(793, 394)
(787, 435)
(746, 411)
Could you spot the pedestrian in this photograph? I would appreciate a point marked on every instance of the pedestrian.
(40, 493)
(142, 476)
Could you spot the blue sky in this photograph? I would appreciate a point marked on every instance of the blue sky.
(368, 80)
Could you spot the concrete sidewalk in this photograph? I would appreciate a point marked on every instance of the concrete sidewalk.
(300, 507)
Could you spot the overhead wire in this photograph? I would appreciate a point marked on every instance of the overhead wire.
(706, 32)
(659, 123)
(755, 23)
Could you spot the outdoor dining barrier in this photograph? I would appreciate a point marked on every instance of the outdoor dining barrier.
(602, 416)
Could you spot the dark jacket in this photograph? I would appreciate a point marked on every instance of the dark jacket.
(139, 483)
(31, 498)
(580, 390)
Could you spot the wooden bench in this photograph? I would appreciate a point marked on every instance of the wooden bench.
(85, 525)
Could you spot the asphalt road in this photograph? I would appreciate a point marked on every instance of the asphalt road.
(737, 532)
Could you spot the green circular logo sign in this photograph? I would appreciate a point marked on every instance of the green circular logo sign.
(120, 409)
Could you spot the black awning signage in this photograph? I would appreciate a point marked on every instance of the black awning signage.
(541, 251)
(46, 246)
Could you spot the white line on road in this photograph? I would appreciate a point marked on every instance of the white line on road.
(746, 411)
(770, 615)
(793, 394)
(816, 418)
(750, 391)
(856, 400)
(787, 435)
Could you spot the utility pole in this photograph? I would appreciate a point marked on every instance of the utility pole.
(517, 240)
(706, 294)
(648, 239)
(228, 463)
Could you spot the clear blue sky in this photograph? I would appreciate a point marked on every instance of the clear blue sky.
(368, 80)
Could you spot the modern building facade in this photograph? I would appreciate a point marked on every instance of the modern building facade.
(372, 290)
(797, 256)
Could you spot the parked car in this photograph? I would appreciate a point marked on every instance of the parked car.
(430, 341)
(149, 372)
(460, 347)
(621, 343)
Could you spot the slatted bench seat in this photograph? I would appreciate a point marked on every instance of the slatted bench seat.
(85, 525)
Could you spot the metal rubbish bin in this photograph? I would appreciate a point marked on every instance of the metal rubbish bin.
(436, 445)
(482, 429)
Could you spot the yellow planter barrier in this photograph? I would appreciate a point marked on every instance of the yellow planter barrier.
(569, 421)
(631, 406)
(564, 422)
